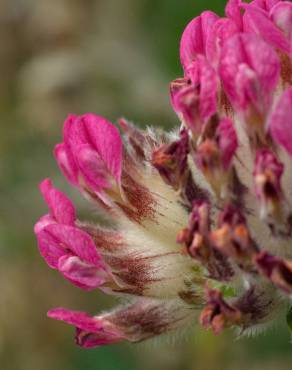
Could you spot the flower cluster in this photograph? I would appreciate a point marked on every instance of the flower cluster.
(201, 217)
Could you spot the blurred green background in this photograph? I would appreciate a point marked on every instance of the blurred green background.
(115, 58)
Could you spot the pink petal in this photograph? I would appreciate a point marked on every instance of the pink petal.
(281, 15)
(232, 11)
(66, 163)
(280, 122)
(248, 92)
(264, 4)
(50, 247)
(91, 332)
(77, 318)
(256, 21)
(106, 139)
(75, 240)
(206, 78)
(186, 104)
(92, 148)
(80, 273)
(43, 222)
(227, 141)
(93, 168)
(62, 209)
(263, 60)
(174, 87)
(223, 29)
(196, 102)
(74, 132)
(246, 58)
(194, 37)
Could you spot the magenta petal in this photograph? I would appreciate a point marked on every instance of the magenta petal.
(232, 10)
(74, 133)
(106, 139)
(223, 29)
(256, 21)
(280, 122)
(50, 247)
(281, 15)
(227, 139)
(174, 88)
(246, 83)
(264, 4)
(62, 209)
(186, 104)
(92, 340)
(66, 163)
(246, 58)
(93, 146)
(43, 222)
(194, 37)
(271, 3)
(91, 332)
(76, 318)
(191, 42)
(75, 240)
(93, 168)
(195, 103)
(208, 90)
(80, 273)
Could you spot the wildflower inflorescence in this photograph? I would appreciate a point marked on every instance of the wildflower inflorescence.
(201, 217)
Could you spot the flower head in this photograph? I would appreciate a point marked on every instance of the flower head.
(201, 218)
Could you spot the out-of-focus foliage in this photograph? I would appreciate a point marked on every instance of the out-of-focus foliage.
(113, 57)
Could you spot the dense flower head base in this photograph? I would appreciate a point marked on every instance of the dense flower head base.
(201, 225)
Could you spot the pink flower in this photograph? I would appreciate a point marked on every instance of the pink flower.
(195, 212)
(64, 246)
(88, 161)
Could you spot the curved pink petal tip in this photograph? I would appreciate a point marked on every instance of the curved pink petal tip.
(77, 318)
(62, 209)
(66, 163)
